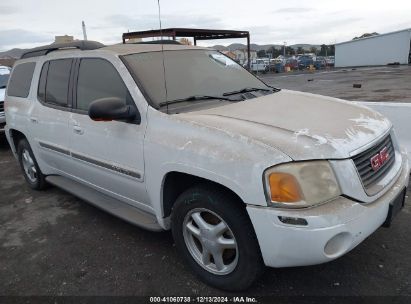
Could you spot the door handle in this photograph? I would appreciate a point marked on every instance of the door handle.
(34, 119)
(78, 130)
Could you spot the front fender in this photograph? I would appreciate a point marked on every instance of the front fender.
(173, 145)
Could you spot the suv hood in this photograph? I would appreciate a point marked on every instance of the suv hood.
(301, 125)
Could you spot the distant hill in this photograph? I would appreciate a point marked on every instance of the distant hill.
(13, 53)
(258, 47)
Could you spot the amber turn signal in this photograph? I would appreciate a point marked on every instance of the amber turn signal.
(284, 188)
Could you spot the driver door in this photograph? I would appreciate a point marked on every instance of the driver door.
(107, 156)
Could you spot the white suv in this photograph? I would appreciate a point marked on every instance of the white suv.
(4, 77)
(183, 138)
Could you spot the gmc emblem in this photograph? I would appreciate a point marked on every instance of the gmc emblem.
(380, 159)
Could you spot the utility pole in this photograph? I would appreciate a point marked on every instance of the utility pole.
(285, 44)
(83, 25)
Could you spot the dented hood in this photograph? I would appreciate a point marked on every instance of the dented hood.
(301, 125)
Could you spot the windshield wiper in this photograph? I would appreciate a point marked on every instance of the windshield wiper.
(197, 97)
(249, 89)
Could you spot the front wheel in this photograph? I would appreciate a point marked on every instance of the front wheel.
(214, 234)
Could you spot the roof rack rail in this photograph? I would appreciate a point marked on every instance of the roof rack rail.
(164, 41)
(83, 45)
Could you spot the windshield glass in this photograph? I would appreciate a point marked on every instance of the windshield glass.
(4, 77)
(188, 73)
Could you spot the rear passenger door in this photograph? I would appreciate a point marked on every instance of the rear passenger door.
(49, 120)
(106, 155)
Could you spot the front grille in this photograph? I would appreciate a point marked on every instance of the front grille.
(1, 106)
(362, 161)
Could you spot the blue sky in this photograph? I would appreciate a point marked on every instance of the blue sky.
(28, 23)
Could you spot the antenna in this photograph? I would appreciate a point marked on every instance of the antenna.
(162, 52)
(83, 25)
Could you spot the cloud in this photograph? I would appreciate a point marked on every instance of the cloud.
(7, 10)
(294, 10)
(22, 37)
(312, 31)
(111, 27)
(150, 21)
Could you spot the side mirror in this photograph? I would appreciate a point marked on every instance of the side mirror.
(112, 108)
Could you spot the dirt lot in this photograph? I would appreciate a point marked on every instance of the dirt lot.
(52, 243)
(390, 83)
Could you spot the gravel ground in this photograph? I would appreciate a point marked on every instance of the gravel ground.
(52, 243)
(388, 83)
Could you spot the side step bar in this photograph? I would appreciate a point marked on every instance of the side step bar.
(115, 207)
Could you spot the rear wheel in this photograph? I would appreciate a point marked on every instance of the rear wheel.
(31, 171)
(214, 234)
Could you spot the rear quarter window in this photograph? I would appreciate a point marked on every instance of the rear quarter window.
(20, 81)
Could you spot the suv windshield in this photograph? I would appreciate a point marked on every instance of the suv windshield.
(189, 73)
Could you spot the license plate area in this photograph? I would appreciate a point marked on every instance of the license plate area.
(395, 206)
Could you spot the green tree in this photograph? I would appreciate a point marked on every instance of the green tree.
(313, 49)
(261, 54)
(331, 50)
(300, 50)
(289, 50)
(323, 50)
(327, 50)
(274, 52)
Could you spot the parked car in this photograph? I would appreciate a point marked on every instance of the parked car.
(259, 66)
(320, 62)
(292, 63)
(330, 60)
(276, 65)
(305, 61)
(4, 77)
(183, 138)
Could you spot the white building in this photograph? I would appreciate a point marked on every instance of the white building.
(375, 50)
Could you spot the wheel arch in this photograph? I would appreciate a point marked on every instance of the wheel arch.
(176, 182)
(15, 137)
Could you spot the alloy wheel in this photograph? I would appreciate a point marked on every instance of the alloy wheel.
(29, 166)
(210, 241)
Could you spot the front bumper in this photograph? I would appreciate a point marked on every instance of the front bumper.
(333, 228)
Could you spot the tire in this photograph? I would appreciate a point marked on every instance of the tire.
(234, 268)
(31, 171)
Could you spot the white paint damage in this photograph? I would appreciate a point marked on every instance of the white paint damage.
(288, 121)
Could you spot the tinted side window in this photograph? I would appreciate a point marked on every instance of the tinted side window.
(20, 81)
(99, 79)
(41, 93)
(57, 83)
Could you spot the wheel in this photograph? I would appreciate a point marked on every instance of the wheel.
(29, 166)
(214, 234)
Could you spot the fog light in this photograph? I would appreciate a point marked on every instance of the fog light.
(297, 221)
(338, 245)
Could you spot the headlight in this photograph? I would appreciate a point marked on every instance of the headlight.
(300, 184)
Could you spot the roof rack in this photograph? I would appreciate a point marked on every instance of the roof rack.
(163, 41)
(196, 34)
(83, 45)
